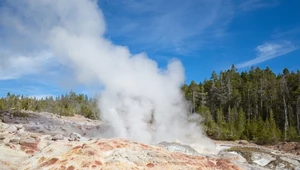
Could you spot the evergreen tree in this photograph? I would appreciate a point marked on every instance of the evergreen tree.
(265, 102)
(273, 131)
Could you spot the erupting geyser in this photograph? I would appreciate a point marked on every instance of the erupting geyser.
(135, 91)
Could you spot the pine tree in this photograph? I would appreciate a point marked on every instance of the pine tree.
(210, 125)
(240, 124)
(231, 124)
(261, 136)
(2, 104)
(273, 131)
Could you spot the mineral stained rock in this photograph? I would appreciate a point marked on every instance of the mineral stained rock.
(79, 143)
(31, 151)
(119, 154)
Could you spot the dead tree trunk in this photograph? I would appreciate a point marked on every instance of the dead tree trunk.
(249, 107)
(261, 96)
(286, 123)
(284, 93)
(298, 114)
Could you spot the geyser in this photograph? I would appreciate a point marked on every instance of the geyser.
(136, 91)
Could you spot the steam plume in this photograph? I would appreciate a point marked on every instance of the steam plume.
(135, 91)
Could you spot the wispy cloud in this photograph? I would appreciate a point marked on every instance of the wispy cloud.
(178, 27)
(157, 26)
(248, 5)
(290, 33)
(22, 48)
(13, 66)
(29, 86)
(269, 51)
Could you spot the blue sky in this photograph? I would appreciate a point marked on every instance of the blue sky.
(205, 35)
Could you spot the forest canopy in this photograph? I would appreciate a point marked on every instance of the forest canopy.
(255, 105)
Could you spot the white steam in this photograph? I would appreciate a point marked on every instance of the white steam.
(135, 89)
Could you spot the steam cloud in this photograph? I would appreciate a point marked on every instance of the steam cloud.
(135, 91)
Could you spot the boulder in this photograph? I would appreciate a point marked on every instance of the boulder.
(48, 138)
(58, 137)
(19, 127)
(21, 131)
(7, 113)
(2, 137)
(11, 129)
(29, 142)
(243, 142)
(291, 162)
(234, 156)
(76, 137)
(35, 136)
(14, 141)
(4, 126)
(262, 159)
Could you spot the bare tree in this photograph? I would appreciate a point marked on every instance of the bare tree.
(284, 90)
(298, 113)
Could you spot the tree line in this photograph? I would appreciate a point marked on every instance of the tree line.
(65, 105)
(255, 105)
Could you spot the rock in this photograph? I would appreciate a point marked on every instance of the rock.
(29, 143)
(33, 128)
(14, 141)
(63, 129)
(178, 147)
(50, 127)
(262, 159)
(243, 142)
(19, 127)
(35, 136)
(2, 136)
(21, 131)
(4, 126)
(295, 163)
(233, 156)
(290, 147)
(11, 146)
(58, 137)
(11, 129)
(48, 138)
(120, 154)
(76, 137)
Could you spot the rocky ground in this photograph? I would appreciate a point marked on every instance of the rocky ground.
(48, 141)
